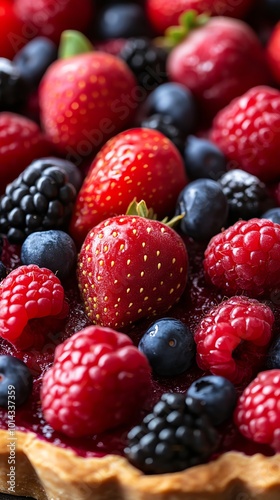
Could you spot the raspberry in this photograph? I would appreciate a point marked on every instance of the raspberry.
(26, 293)
(98, 381)
(245, 258)
(248, 132)
(257, 414)
(238, 321)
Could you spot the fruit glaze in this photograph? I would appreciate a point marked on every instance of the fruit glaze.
(140, 243)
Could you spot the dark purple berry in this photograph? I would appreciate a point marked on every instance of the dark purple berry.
(203, 159)
(15, 382)
(34, 58)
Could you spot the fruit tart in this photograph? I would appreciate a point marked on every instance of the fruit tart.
(140, 270)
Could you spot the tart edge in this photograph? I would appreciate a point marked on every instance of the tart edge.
(48, 472)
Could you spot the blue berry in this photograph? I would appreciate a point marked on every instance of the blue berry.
(273, 214)
(15, 381)
(203, 159)
(169, 346)
(272, 361)
(121, 20)
(174, 100)
(52, 249)
(217, 395)
(205, 207)
(34, 58)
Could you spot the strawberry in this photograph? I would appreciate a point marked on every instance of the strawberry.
(11, 35)
(163, 13)
(21, 141)
(51, 17)
(217, 61)
(137, 163)
(129, 268)
(83, 101)
(273, 52)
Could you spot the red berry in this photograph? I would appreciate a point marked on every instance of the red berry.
(12, 30)
(51, 17)
(129, 268)
(21, 142)
(248, 132)
(163, 13)
(26, 293)
(244, 259)
(84, 100)
(218, 62)
(238, 321)
(98, 381)
(273, 52)
(137, 163)
(257, 414)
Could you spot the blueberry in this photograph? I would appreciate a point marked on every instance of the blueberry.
(121, 20)
(205, 207)
(217, 394)
(272, 360)
(174, 100)
(169, 346)
(273, 214)
(203, 159)
(15, 381)
(52, 249)
(34, 59)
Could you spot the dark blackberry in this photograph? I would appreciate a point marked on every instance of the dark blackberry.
(146, 61)
(247, 196)
(41, 198)
(12, 86)
(164, 124)
(177, 434)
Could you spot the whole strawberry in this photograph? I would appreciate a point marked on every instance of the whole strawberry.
(163, 13)
(131, 267)
(248, 132)
(217, 61)
(99, 380)
(51, 17)
(137, 163)
(82, 101)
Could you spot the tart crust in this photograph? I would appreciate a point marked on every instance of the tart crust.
(48, 472)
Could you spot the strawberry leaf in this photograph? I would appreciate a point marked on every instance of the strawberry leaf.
(72, 43)
(188, 21)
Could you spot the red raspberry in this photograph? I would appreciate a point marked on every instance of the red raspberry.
(248, 132)
(26, 293)
(98, 381)
(245, 258)
(257, 414)
(236, 321)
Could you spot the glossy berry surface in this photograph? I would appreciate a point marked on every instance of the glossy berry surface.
(247, 195)
(34, 58)
(238, 321)
(165, 125)
(169, 346)
(204, 208)
(29, 292)
(260, 135)
(273, 214)
(244, 258)
(203, 159)
(15, 382)
(121, 20)
(101, 370)
(176, 435)
(52, 249)
(257, 413)
(217, 395)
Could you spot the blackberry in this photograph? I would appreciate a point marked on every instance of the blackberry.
(12, 86)
(177, 434)
(146, 61)
(41, 198)
(247, 195)
(164, 124)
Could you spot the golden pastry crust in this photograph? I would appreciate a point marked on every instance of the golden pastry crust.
(48, 472)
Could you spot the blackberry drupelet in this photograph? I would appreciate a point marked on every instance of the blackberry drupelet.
(247, 195)
(165, 125)
(41, 198)
(177, 434)
(146, 61)
(12, 86)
